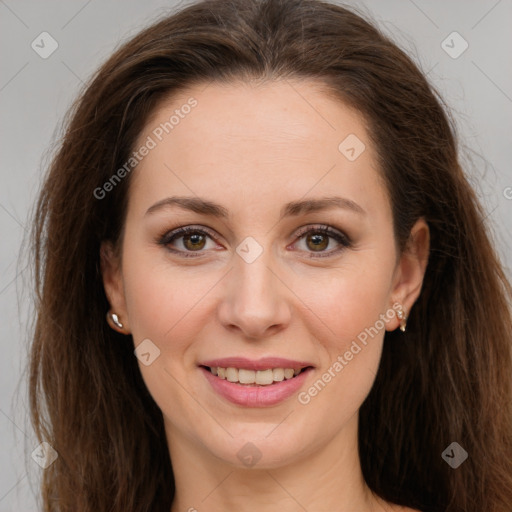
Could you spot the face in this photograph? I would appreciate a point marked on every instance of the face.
(269, 279)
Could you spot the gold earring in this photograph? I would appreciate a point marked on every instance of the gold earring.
(403, 319)
(112, 317)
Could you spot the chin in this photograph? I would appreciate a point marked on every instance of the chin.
(261, 447)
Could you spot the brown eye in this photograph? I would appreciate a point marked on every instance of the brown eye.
(186, 241)
(317, 241)
(194, 241)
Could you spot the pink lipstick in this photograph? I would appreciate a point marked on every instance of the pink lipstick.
(255, 383)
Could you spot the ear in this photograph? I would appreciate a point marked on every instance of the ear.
(411, 268)
(113, 284)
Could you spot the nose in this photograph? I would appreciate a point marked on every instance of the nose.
(255, 301)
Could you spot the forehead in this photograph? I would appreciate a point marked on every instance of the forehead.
(267, 113)
(259, 141)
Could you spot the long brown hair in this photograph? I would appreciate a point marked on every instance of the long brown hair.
(447, 379)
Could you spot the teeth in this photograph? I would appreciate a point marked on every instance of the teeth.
(258, 377)
(288, 373)
(264, 377)
(232, 374)
(246, 376)
(278, 374)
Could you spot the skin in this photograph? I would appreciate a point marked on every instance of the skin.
(252, 148)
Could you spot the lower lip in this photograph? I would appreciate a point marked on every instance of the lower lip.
(256, 396)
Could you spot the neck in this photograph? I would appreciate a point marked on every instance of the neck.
(326, 477)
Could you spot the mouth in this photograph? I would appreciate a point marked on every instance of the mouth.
(251, 383)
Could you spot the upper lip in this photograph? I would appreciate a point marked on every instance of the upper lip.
(264, 363)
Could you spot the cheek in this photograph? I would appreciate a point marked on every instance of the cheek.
(346, 321)
(165, 304)
(161, 298)
(347, 309)
(346, 301)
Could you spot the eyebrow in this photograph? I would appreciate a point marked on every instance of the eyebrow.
(292, 209)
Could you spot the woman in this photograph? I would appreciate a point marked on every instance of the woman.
(264, 281)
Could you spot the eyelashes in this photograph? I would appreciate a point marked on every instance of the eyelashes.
(198, 237)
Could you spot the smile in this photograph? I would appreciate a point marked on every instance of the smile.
(250, 383)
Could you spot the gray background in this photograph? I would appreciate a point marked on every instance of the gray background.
(36, 92)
